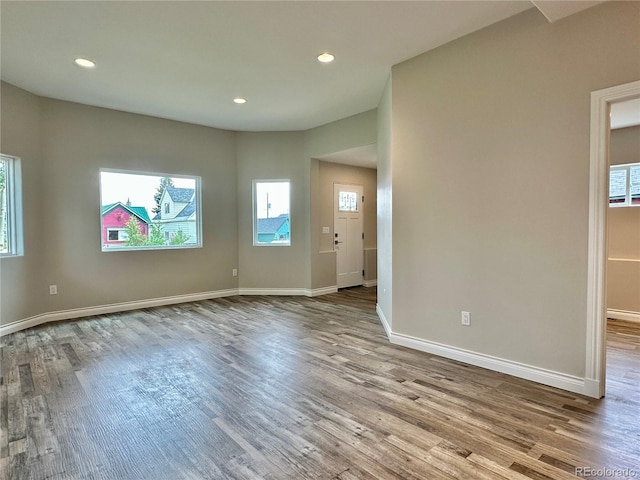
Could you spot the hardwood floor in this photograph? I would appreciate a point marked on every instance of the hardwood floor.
(292, 388)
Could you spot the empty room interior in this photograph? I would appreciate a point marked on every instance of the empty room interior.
(320, 240)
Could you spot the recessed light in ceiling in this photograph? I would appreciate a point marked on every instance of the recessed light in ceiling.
(326, 57)
(84, 62)
(240, 100)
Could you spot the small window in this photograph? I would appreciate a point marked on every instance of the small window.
(348, 202)
(117, 235)
(134, 208)
(624, 185)
(271, 221)
(10, 206)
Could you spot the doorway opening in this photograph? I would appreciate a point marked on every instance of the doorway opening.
(595, 361)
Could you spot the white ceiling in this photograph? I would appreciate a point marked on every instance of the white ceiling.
(187, 60)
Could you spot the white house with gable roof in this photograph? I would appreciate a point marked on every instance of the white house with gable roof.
(178, 213)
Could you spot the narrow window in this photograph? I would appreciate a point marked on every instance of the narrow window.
(135, 207)
(10, 207)
(624, 185)
(271, 206)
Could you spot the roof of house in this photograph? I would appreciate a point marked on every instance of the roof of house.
(180, 195)
(188, 210)
(140, 212)
(272, 225)
(184, 214)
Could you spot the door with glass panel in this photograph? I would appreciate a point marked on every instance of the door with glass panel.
(348, 234)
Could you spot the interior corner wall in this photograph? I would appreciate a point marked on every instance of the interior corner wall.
(490, 182)
(265, 156)
(623, 266)
(22, 287)
(385, 207)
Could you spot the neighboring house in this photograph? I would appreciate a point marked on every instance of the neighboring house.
(273, 230)
(114, 220)
(178, 213)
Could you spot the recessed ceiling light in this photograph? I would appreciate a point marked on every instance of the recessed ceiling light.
(326, 57)
(84, 62)
(240, 100)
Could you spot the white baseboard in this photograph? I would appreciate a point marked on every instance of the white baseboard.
(552, 378)
(624, 315)
(385, 322)
(316, 292)
(306, 292)
(155, 302)
(111, 308)
(370, 283)
(592, 388)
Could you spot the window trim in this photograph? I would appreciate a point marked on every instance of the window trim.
(254, 214)
(627, 195)
(199, 216)
(13, 207)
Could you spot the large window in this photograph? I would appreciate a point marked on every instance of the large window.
(10, 206)
(149, 211)
(624, 185)
(271, 221)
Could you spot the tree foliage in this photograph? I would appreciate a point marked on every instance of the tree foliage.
(157, 197)
(156, 236)
(136, 237)
(2, 174)
(180, 238)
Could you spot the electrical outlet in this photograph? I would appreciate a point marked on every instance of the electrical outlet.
(466, 319)
(53, 289)
(234, 272)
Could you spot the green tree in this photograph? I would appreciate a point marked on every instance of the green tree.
(157, 197)
(180, 238)
(2, 174)
(156, 236)
(136, 237)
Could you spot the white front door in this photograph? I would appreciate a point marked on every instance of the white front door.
(348, 234)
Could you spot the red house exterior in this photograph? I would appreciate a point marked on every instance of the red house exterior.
(114, 220)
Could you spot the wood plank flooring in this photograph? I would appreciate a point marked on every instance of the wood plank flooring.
(292, 388)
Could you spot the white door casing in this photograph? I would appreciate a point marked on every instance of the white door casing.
(348, 234)
(595, 362)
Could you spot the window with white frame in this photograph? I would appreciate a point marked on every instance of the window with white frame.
(624, 185)
(271, 220)
(134, 211)
(10, 206)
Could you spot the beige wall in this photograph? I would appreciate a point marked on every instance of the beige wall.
(330, 174)
(623, 268)
(77, 142)
(22, 286)
(490, 158)
(263, 156)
